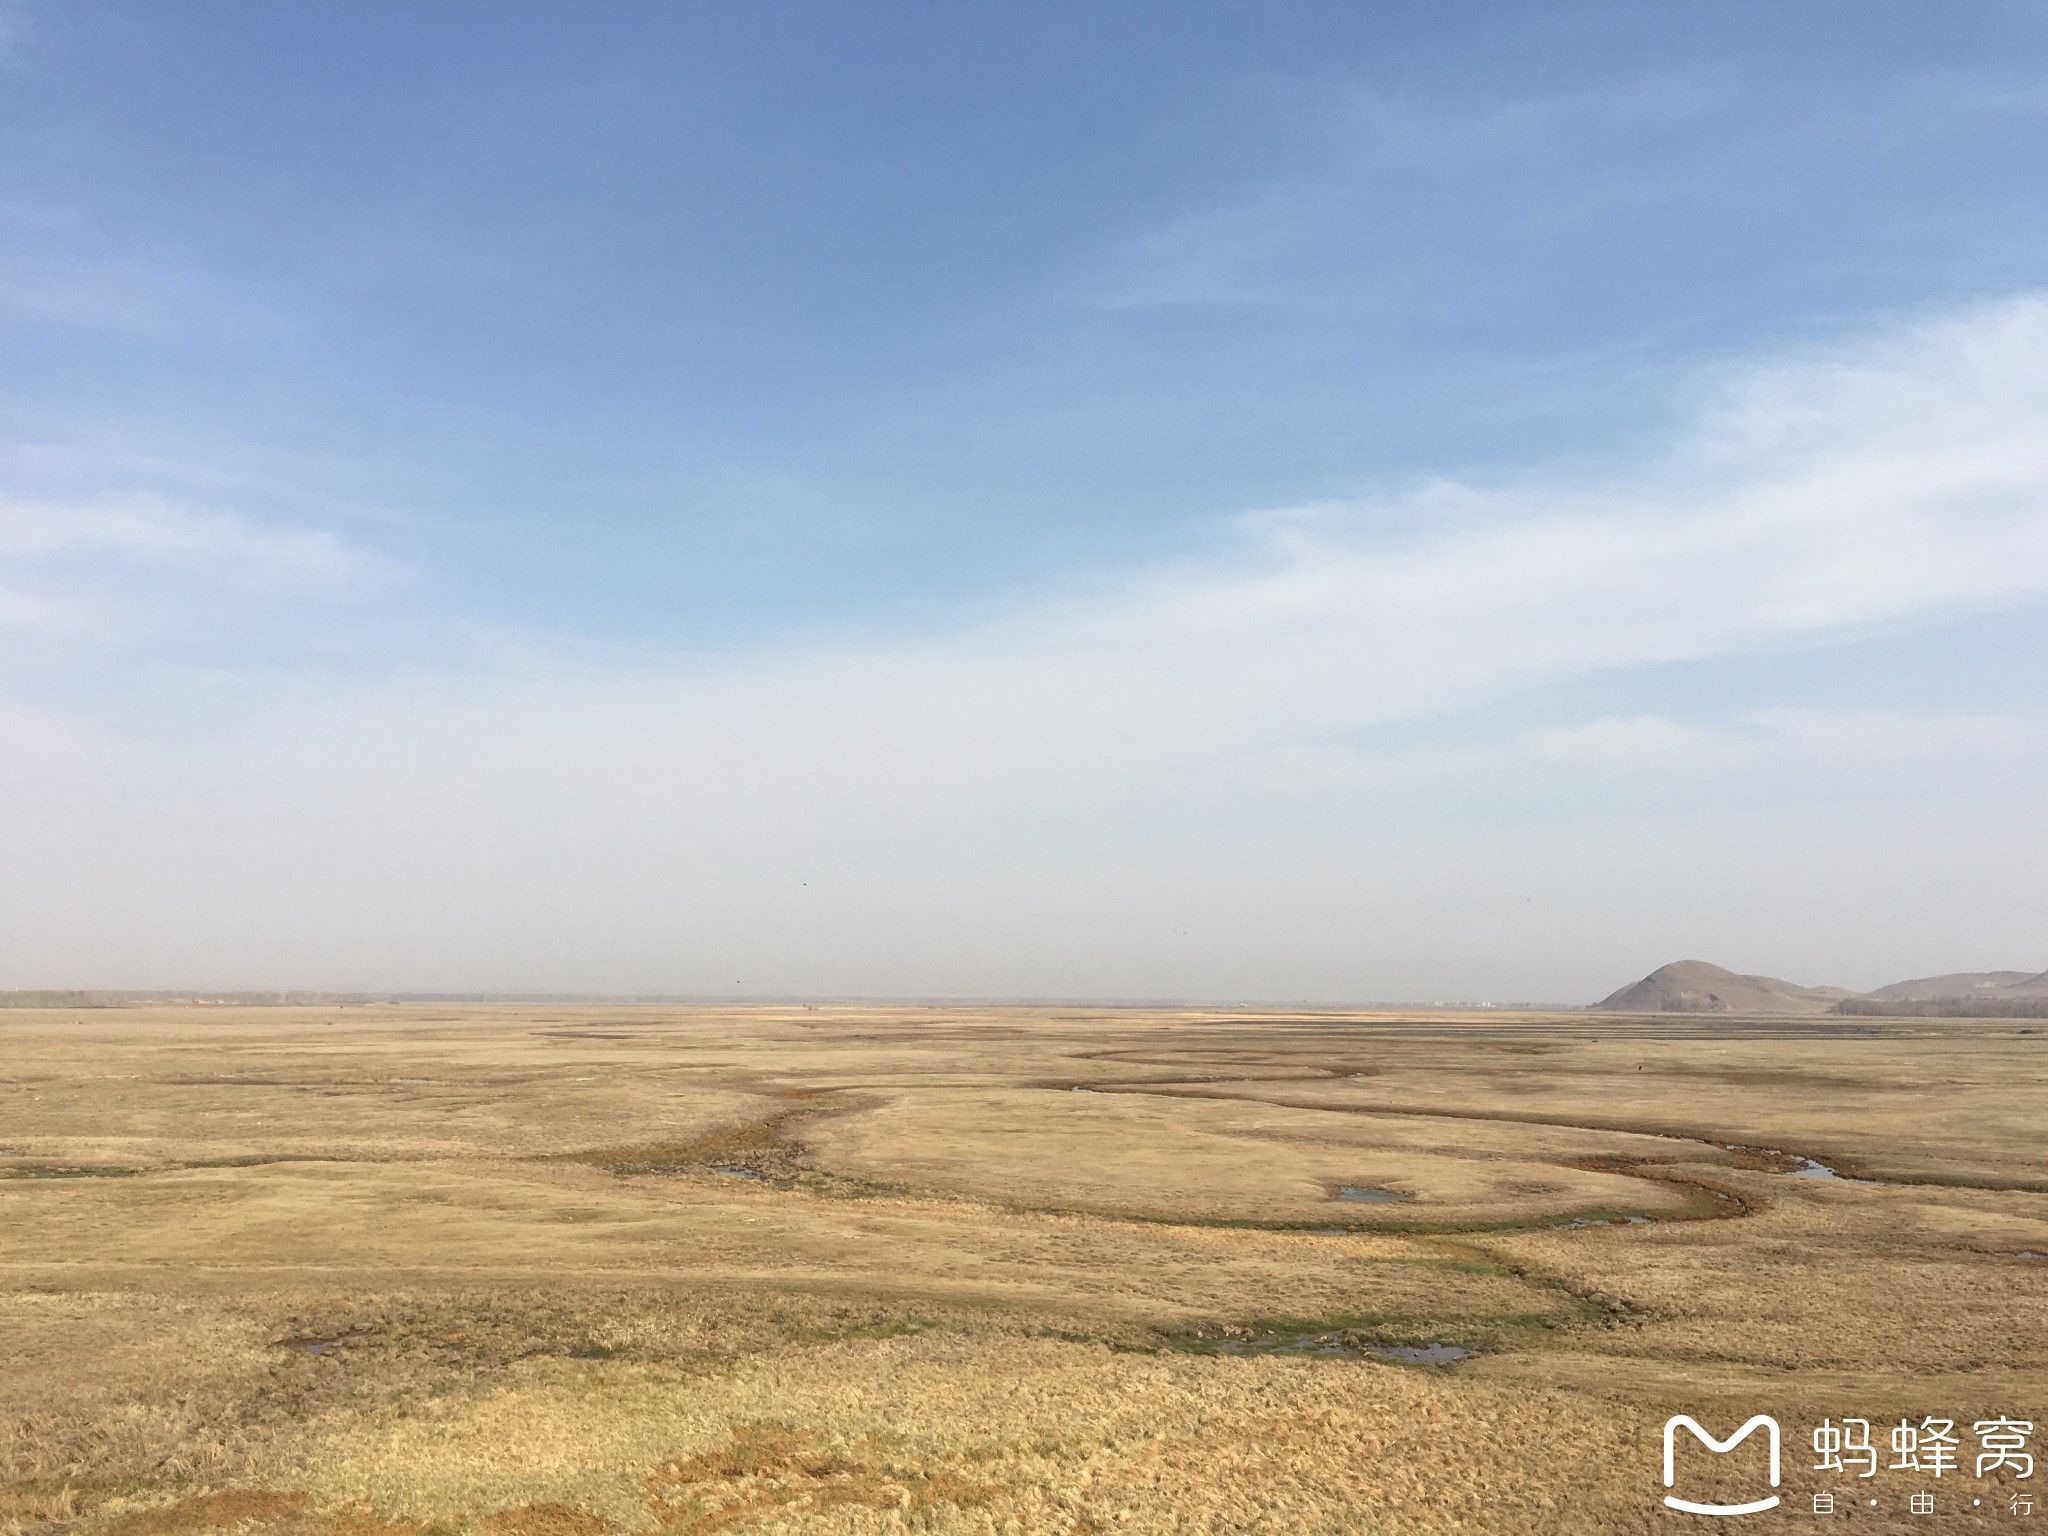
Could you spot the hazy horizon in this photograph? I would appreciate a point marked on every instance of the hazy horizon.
(409, 995)
(1347, 505)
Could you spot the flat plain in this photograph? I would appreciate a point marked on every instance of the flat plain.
(574, 1271)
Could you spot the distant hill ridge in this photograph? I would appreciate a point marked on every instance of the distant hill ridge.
(1694, 986)
(1988, 984)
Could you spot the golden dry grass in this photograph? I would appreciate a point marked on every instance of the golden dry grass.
(495, 1271)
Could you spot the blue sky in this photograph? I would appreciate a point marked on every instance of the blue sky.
(917, 500)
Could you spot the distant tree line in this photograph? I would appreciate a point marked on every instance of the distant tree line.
(1950, 1008)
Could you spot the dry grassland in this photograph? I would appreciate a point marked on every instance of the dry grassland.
(496, 1271)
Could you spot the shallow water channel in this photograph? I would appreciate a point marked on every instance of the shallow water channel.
(1343, 1346)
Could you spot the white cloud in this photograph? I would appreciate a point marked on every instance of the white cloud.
(1034, 804)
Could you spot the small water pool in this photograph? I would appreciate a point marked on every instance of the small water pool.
(1369, 1194)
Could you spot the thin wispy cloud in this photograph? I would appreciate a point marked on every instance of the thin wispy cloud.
(1338, 160)
(1844, 745)
(108, 590)
(1359, 195)
(149, 532)
(71, 297)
